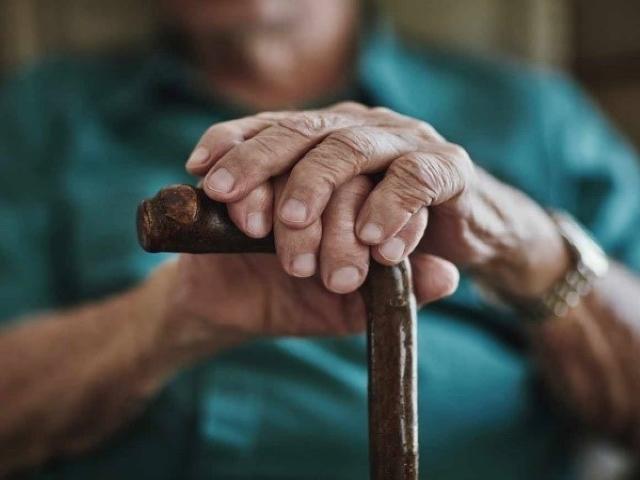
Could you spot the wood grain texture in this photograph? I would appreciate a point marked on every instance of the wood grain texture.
(392, 352)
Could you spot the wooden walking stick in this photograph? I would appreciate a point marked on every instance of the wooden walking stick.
(182, 218)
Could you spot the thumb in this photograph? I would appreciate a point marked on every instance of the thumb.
(433, 278)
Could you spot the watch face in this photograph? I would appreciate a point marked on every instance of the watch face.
(590, 253)
(595, 259)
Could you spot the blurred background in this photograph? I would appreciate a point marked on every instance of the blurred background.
(597, 41)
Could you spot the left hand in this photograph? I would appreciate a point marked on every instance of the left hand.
(426, 179)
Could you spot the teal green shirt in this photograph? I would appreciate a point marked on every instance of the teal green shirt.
(83, 140)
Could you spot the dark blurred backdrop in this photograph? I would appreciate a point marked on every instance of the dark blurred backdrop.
(598, 41)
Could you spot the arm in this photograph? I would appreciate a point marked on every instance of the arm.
(70, 379)
(591, 357)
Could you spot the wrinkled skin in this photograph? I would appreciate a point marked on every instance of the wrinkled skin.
(328, 152)
(307, 175)
(304, 175)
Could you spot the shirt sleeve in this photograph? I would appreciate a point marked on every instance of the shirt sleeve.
(25, 220)
(599, 170)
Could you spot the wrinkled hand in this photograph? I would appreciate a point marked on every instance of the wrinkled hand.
(247, 296)
(303, 174)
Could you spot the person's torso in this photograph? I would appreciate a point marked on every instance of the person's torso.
(296, 408)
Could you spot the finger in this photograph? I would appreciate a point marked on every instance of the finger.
(350, 107)
(344, 260)
(253, 214)
(412, 182)
(433, 278)
(219, 139)
(342, 155)
(398, 247)
(297, 250)
(270, 153)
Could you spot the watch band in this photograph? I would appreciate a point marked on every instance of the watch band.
(590, 264)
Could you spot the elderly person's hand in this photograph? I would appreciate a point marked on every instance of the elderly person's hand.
(284, 170)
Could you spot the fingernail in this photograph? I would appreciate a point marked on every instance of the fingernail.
(256, 223)
(294, 211)
(393, 249)
(221, 181)
(345, 279)
(199, 156)
(371, 233)
(304, 265)
(453, 281)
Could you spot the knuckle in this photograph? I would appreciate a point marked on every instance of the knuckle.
(305, 240)
(260, 198)
(426, 130)
(459, 162)
(458, 152)
(339, 226)
(440, 174)
(271, 116)
(217, 130)
(316, 172)
(388, 117)
(212, 130)
(349, 105)
(359, 147)
(345, 251)
(266, 115)
(262, 147)
(308, 124)
(328, 163)
(245, 159)
(251, 158)
(465, 162)
(407, 199)
(384, 111)
(356, 190)
(417, 179)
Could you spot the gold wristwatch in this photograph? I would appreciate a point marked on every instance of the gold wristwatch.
(590, 263)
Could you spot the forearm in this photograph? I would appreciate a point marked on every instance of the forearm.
(591, 357)
(70, 379)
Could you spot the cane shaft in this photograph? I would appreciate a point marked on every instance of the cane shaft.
(183, 219)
